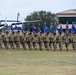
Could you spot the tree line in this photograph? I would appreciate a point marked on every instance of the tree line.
(46, 17)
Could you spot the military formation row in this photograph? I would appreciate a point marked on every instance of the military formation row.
(48, 40)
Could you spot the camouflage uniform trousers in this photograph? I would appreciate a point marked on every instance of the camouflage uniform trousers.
(11, 44)
(35, 45)
(17, 43)
(30, 45)
(54, 45)
(60, 45)
(6, 44)
(0, 44)
(51, 45)
(67, 46)
(74, 45)
(46, 44)
(23, 43)
(40, 45)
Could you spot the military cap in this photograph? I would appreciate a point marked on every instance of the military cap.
(54, 33)
(18, 31)
(30, 33)
(6, 31)
(12, 31)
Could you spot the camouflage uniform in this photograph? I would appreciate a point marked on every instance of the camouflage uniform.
(3, 38)
(29, 39)
(46, 41)
(23, 40)
(11, 40)
(17, 40)
(35, 41)
(51, 41)
(7, 40)
(67, 41)
(74, 42)
(0, 40)
(54, 41)
(40, 41)
(60, 40)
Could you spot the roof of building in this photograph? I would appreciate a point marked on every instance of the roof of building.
(69, 12)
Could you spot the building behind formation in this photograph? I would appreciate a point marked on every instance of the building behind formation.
(67, 16)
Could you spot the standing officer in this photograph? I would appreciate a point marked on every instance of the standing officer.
(74, 41)
(60, 40)
(35, 41)
(54, 41)
(3, 38)
(11, 38)
(21, 37)
(23, 40)
(17, 39)
(46, 41)
(0, 40)
(7, 40)
(30, 40)
(40, 41)
(51, 40)
(67, 41)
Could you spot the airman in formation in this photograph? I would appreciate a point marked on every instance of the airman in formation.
(33, 40)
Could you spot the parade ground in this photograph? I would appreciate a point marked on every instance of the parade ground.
(32, 62)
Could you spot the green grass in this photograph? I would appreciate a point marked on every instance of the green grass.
(21, 62)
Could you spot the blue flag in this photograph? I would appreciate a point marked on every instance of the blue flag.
(28, 28)
(67, 29)
(5, 29)
(23, 27)
(46, 29)
(11, 27)
(55, 28)
(33, 28)
(51, 30)
(73, 28)
(15, 28)
(61, 29)
(39, 29)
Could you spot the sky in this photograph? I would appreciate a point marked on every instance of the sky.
(10, 8)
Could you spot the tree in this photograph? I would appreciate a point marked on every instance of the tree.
(46, 17)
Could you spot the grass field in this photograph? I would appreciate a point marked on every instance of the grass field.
(21, 62)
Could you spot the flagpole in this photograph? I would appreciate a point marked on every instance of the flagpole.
(18, 16)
